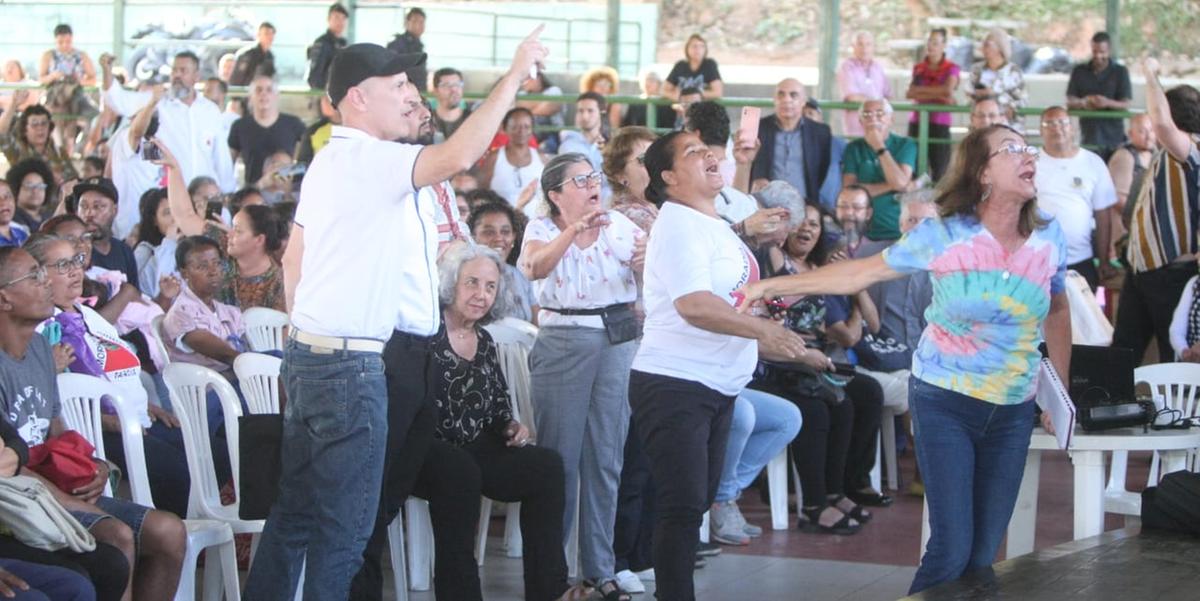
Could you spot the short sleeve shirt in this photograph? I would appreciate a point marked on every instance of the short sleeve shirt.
(1111, 82)
(985, 321)
(592, 277)
(863, 162)
(1071, 190)
(29, 391)
(189, 314)
(683, 77)
(256, 143)
(924, 74)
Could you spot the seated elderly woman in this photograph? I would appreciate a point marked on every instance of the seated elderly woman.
(490, 453)
(86, 343)
(200, 329)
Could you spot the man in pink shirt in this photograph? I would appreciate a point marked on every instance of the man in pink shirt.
(199, 329)
(859, 78)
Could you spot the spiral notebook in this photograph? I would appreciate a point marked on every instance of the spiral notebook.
(1052, 397)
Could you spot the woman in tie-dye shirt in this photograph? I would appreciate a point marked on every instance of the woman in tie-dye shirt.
(997, 267)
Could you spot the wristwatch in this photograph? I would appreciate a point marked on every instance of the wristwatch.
(881, 151)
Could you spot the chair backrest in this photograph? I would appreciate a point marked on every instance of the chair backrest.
(514, 339)
(80, 396)
(1177, 383)
(258, 376)
(189, 384)
(264, 328)
(158, 339)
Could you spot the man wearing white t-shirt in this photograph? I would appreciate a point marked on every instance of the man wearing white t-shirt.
(132, 174)
(359, 270)
(1074, 187)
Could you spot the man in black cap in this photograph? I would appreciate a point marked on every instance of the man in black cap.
(359, 270)
(96, 205)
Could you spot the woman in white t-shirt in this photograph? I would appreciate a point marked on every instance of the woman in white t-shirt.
(582, 260)
(697, 352)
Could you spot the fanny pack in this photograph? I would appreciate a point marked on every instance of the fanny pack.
(620, 322)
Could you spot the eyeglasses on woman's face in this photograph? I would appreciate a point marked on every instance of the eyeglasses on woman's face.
(1017, 149)
(64, 266)
(583, 180)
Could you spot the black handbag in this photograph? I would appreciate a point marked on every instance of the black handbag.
(1174, 504)
(260, 439)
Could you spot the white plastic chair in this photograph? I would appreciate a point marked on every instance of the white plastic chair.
(777, 474)
(264, 328)
(81, 396)
(258, 375)
(188, 384)
(1177, 385)
(159, 339)
(419, 545)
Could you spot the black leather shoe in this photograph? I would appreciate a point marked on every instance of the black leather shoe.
(872, 499)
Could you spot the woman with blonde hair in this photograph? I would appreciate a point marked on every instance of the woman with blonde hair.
(606, 82)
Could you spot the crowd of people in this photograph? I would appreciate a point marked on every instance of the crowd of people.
(703, 301)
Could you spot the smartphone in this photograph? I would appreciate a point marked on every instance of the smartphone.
(748, 128)
(214, 210)
(150, 152)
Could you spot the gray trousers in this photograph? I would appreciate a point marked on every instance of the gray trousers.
(581, 409)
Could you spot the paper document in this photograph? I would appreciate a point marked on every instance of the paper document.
(1053, 399)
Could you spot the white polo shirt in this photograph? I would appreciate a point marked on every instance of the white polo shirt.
(370, 249)
(1072, 190)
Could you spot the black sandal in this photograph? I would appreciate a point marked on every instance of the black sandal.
(859, 513)
(611, 591)
(813, 523)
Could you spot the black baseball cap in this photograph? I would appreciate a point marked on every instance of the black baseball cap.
(102, 185)
(359, 62)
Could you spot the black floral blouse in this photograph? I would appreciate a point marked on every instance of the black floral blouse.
(471, 396)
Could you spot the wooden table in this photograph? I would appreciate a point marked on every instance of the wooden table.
(1121, 565)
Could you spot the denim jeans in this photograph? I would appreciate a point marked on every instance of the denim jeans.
(763, 425)
(972, 456)
(49, 583)
(334, 433)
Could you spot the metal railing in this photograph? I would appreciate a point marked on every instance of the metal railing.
(923, 110)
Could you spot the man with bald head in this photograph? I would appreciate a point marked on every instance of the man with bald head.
(986, 112)
(794, 149)
(1074, 187)
(1129, 160)
(861, 77)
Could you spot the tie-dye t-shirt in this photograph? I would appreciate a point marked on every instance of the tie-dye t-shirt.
(985, 321)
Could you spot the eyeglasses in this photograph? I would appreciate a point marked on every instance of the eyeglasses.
(38, 275)
(63, 266)
(85, 238)
(879, 114)
(1031, 151)
(34, 186)
(448, 85)
(641, 159)
(1052, 123)
(38, 123)
(584, 180)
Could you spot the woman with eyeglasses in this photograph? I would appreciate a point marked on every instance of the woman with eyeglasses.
(30, 138)
(11, 233)
(583, 260)
(32, 181)
(92, 346)
(997, 266)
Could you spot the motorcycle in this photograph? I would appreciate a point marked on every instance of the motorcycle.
(157, 44)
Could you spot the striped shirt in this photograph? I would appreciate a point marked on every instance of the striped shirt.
(1162, 224)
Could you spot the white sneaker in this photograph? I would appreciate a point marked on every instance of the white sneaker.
(646, 575)
(630, 583)
(727, 524)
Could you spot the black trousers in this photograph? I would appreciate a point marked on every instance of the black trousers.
(633, 534)
(939, 154)
(452, 480)
(866, 395)
(408, 367)
(684, 427)
(1147, 303)
(822, 449)
(106, 567)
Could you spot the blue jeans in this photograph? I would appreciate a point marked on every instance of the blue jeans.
(49, 583)
(763, 425)
(972, 456)
(334, 434)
